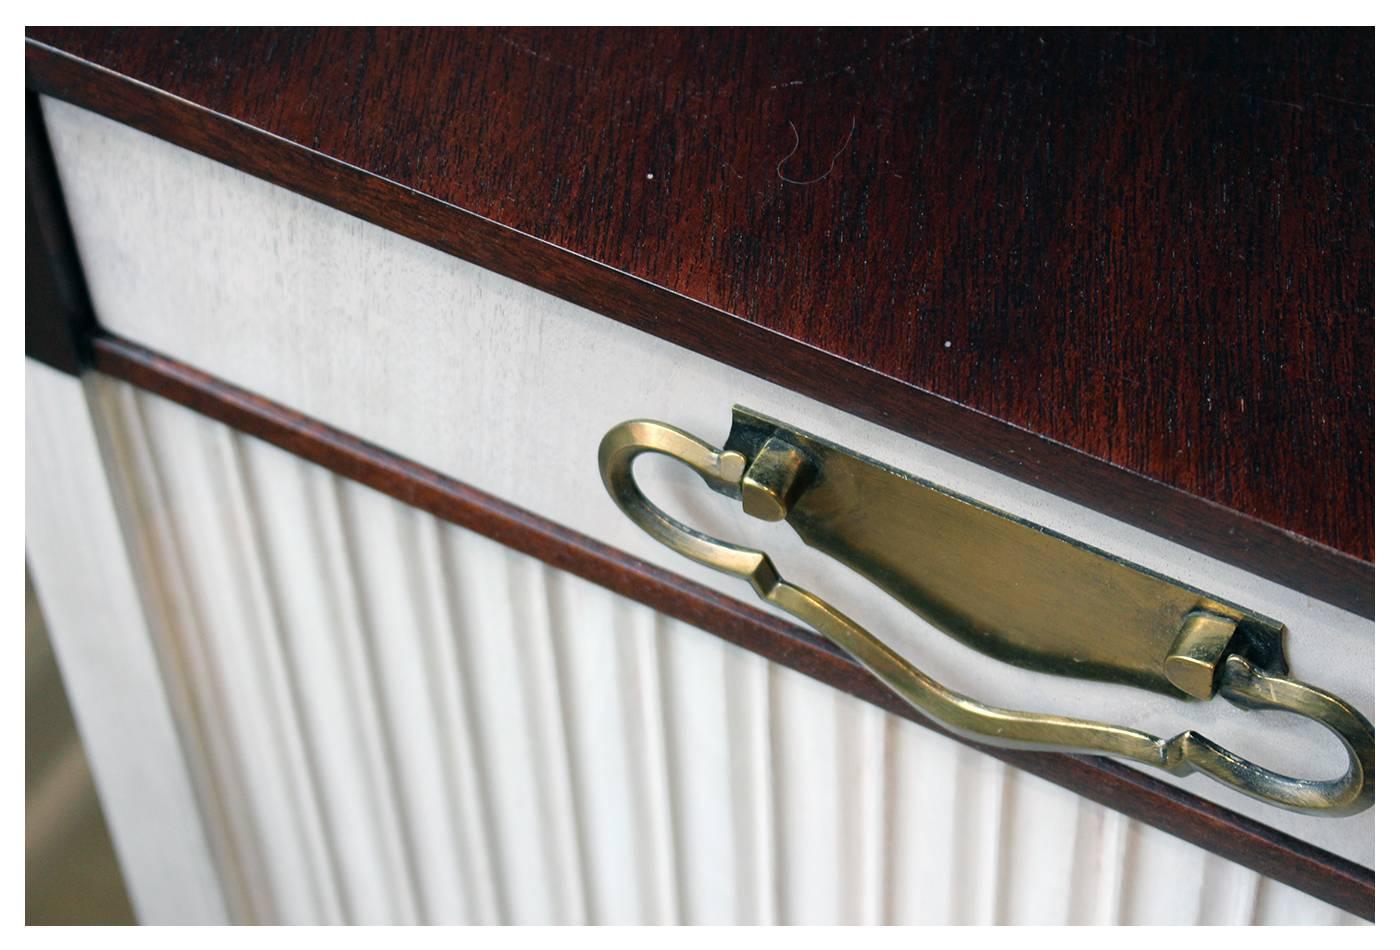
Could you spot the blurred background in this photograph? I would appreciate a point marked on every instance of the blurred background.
(71, 873)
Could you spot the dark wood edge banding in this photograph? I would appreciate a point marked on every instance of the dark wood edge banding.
(1289, 559)
(1340, 882)
(58, 317)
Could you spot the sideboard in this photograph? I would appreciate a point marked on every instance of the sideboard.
(325, 327)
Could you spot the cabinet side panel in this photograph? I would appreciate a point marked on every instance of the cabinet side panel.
(84, 580)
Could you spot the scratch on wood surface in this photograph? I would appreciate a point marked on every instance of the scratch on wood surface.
(851, 67)
(796, 141)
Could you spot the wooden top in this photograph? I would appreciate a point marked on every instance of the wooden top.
(1133, 267)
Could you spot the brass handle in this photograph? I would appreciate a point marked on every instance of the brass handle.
(766, 494)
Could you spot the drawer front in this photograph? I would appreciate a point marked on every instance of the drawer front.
(509, 390)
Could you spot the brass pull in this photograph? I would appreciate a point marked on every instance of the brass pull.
(1215, 648)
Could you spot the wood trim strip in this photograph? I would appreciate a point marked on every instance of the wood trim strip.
(1271, 552)
(1340, 882)
(58, 316)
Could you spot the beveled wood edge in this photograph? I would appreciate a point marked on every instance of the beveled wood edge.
(1268, 551)
(1329, 877)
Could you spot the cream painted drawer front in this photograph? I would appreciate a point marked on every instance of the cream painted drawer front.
(509, 390)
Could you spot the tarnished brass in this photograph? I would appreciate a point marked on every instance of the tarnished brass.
(774, 478)
(1194, 659)
(1006, 587)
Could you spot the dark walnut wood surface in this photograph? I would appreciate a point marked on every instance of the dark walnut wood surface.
(1133, 267)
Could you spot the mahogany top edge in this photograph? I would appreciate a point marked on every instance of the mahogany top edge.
(1154, 248)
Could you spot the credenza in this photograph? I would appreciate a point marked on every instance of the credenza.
(324, 330)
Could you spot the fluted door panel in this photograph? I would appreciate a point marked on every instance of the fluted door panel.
(391, 719)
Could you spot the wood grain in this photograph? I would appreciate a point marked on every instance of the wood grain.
(1132, 269)
(1154, 246)
(1340, 882)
